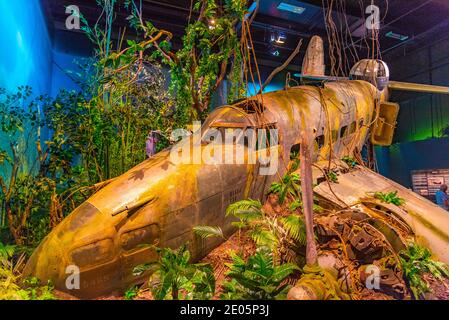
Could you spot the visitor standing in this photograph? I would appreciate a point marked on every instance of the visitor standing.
(442, 198)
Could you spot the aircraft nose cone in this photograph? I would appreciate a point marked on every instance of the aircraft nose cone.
(50, 260)
(77, 251)
(46, 263)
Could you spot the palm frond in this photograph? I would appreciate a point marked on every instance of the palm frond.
(295, 205)
(6, 251)
(275, 188)
(208, 232)
(248, 215)
(295, 177)
(243, 205)
(295, 227)
(263, 237)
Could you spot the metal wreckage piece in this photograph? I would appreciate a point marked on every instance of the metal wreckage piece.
(159, 202)
(363, 240)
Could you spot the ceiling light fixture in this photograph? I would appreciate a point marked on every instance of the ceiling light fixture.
(396, 36)
(274, 52)
(291, 8)
(278, 37)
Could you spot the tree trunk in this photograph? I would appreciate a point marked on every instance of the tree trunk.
(175, 292)
(15, 232)
(307, 198)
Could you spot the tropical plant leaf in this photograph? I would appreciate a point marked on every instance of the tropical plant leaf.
(415, 261)
(295, 227)
(6, 251)
(208, 232)
(390, 197)
(283, 271)
(173, 272)
(257, 278)
(295, 205)
(140, 269)
(246, 205)
(263, 237)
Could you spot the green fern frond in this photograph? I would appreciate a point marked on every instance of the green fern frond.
(295, 228)
(263, 237)
(295, 205)
(208, 232)
(6, 251)
(275, 188)
(416, 261)
(243, 205)
(283, 271)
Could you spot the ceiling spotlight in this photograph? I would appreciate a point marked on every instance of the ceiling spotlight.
(274, 52)
(278, 37)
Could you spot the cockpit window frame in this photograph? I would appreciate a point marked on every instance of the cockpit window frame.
(247, 110)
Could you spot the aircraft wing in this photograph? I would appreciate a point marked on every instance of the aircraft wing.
(415, 87)
(428, 222)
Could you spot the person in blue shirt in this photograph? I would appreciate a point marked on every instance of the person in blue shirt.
(442, 197)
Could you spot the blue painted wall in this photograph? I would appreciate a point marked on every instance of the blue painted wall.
(26, 47)
(62, 62)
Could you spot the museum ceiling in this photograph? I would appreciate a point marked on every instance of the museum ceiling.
(404, 24)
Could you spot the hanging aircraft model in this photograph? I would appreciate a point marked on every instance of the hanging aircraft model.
(160, 202)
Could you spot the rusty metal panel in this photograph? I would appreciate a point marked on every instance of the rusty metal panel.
(385, 125)
(429, 222)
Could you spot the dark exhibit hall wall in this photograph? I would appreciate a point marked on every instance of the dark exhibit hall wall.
(397, 161)
(420, 141)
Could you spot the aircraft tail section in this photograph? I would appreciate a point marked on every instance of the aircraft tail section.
(313, 64)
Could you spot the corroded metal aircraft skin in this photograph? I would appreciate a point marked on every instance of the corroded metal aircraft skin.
(159, 202)
(418, 218)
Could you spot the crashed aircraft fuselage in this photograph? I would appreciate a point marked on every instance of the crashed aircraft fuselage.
(159, 201)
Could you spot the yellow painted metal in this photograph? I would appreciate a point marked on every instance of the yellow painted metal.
(383, 128)
(415, 87)
(159, 201)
